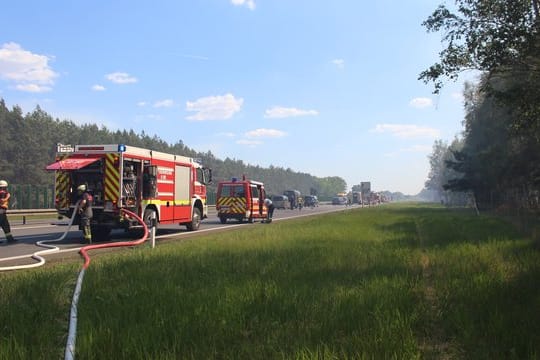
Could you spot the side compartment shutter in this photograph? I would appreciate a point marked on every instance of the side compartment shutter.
(182, 185)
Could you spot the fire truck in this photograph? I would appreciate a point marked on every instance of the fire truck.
(240, 200)
(159, 187)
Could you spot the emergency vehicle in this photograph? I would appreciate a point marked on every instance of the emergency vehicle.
(240, 200)
(154, 185)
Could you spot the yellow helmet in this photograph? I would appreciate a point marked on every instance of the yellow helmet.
(3, 183)
(81, 187)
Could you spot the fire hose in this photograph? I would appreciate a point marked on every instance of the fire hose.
(37, 255)
(70, 345)
(72, 334)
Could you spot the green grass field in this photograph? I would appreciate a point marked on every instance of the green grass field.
(400, 281)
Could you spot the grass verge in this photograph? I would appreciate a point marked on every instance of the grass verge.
(400, 281)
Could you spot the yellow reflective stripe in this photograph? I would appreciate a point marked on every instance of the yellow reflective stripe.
(236, 205)
(112, 178)
(164, 202)
(62, 188)
(62, 185)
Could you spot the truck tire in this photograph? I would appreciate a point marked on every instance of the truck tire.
(222, 219)
(195, 220)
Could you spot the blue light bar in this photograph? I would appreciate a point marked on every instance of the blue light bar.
(121, 148)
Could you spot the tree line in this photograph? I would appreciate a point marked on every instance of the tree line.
(29, 141)
(495, 162)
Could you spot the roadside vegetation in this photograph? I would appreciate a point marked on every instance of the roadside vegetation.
(395, 281)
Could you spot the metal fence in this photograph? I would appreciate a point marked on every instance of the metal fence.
(31, 197)
(42, 197)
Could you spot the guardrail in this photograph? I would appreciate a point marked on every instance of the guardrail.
(31, 211)
(25, 213)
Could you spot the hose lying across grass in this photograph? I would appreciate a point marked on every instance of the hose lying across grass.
(72, 335)
(50, 248)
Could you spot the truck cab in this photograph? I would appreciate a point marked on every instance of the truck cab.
(240, 200)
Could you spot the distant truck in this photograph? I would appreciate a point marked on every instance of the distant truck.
(295, 198)
(240, 200)
(357, 197)
(365, 189)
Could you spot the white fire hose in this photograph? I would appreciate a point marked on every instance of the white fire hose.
(37, 255)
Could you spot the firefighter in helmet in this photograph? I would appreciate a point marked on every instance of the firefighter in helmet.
(85, 211)
(4, 204)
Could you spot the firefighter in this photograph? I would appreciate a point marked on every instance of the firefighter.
(85, 211)
(4, 204)
(270, 209)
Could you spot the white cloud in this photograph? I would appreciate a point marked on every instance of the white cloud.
(30, 72)
(406, 131)
(142, 103)
(340, 63)
(250, 4)
(121, 78)
(283, 112)
(98, 88)
(164, 103)
(421, 102)
(214, 107)
(34, 88)
(268, 133)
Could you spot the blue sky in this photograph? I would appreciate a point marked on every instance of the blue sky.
(327, 88)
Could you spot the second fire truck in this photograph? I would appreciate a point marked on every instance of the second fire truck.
(240, 200)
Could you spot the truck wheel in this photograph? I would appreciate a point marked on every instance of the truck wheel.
(195, 220)
(222, 219)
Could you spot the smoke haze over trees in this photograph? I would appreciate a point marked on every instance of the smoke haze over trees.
(496, 162)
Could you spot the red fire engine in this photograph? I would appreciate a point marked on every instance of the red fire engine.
(240, 199)
(154, 185)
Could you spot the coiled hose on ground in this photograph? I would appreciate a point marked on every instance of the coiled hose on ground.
(44, 243)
